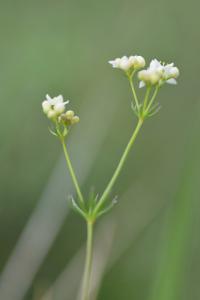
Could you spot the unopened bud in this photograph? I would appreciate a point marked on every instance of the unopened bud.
(69, 114)
(174, 72)
(139, 62)
(51, 114)
(75, 120)
(46, 106)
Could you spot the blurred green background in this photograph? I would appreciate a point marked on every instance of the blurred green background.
(150, 242)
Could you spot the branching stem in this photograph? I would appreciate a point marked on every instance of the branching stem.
(119, 167)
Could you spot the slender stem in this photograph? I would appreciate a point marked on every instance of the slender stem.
(146, 97)
(153, 98)
(130, 78)
(71, 170)
(88, 262)
(119, 167)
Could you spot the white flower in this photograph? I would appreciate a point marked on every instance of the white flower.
(170, 73)
(158, 73)
(53, 107)
(152, 75)
(139, 62)
(115, 63)
(121, 63)
(46, 106)
(55, 100)
(59, 108)
(126, 63)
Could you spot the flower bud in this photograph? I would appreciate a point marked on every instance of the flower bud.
(69, 114)
(75, 120)
(139, 62)
(143, 75)
(124, 63)
(174, 72)
(154, 78)
(149, 77)
(51, 114)
(46, 106)
(132, 60)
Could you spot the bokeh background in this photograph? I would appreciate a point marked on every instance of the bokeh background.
(148, 247)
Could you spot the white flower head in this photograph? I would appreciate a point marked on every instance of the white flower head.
(121, 63)
(46, 106)
(139, 62)
(53, 107)
(127, 63)
(158, 73)
(171, 73)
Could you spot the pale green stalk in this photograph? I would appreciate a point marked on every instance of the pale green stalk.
(88, 259)
(88, 262)
(71, 170)
(146, 97)
(153, 98)
(130, 78)
(119, 167)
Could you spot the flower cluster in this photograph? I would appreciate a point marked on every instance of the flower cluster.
(125, 63)
(158, 73)
(54, 109)
(153, 78)
(69, 118)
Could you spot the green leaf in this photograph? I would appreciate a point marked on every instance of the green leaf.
(77, 208)
(52, 132)
(108, 208)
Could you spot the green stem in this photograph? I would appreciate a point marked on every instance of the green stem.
(71, 170)
(130, 78)
(119, 167)
(88, 262)
(146, 97)
(153, 98)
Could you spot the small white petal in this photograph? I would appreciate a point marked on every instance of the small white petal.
(115, 63)
(111, 62)
(124, 63)
(154, 64)
(59, 99)
(59, 108)
(175, 72)
(141, 84)
(48, 97)
(46, 106)
(171, 81)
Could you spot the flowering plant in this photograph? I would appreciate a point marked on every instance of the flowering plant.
(153, 78)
